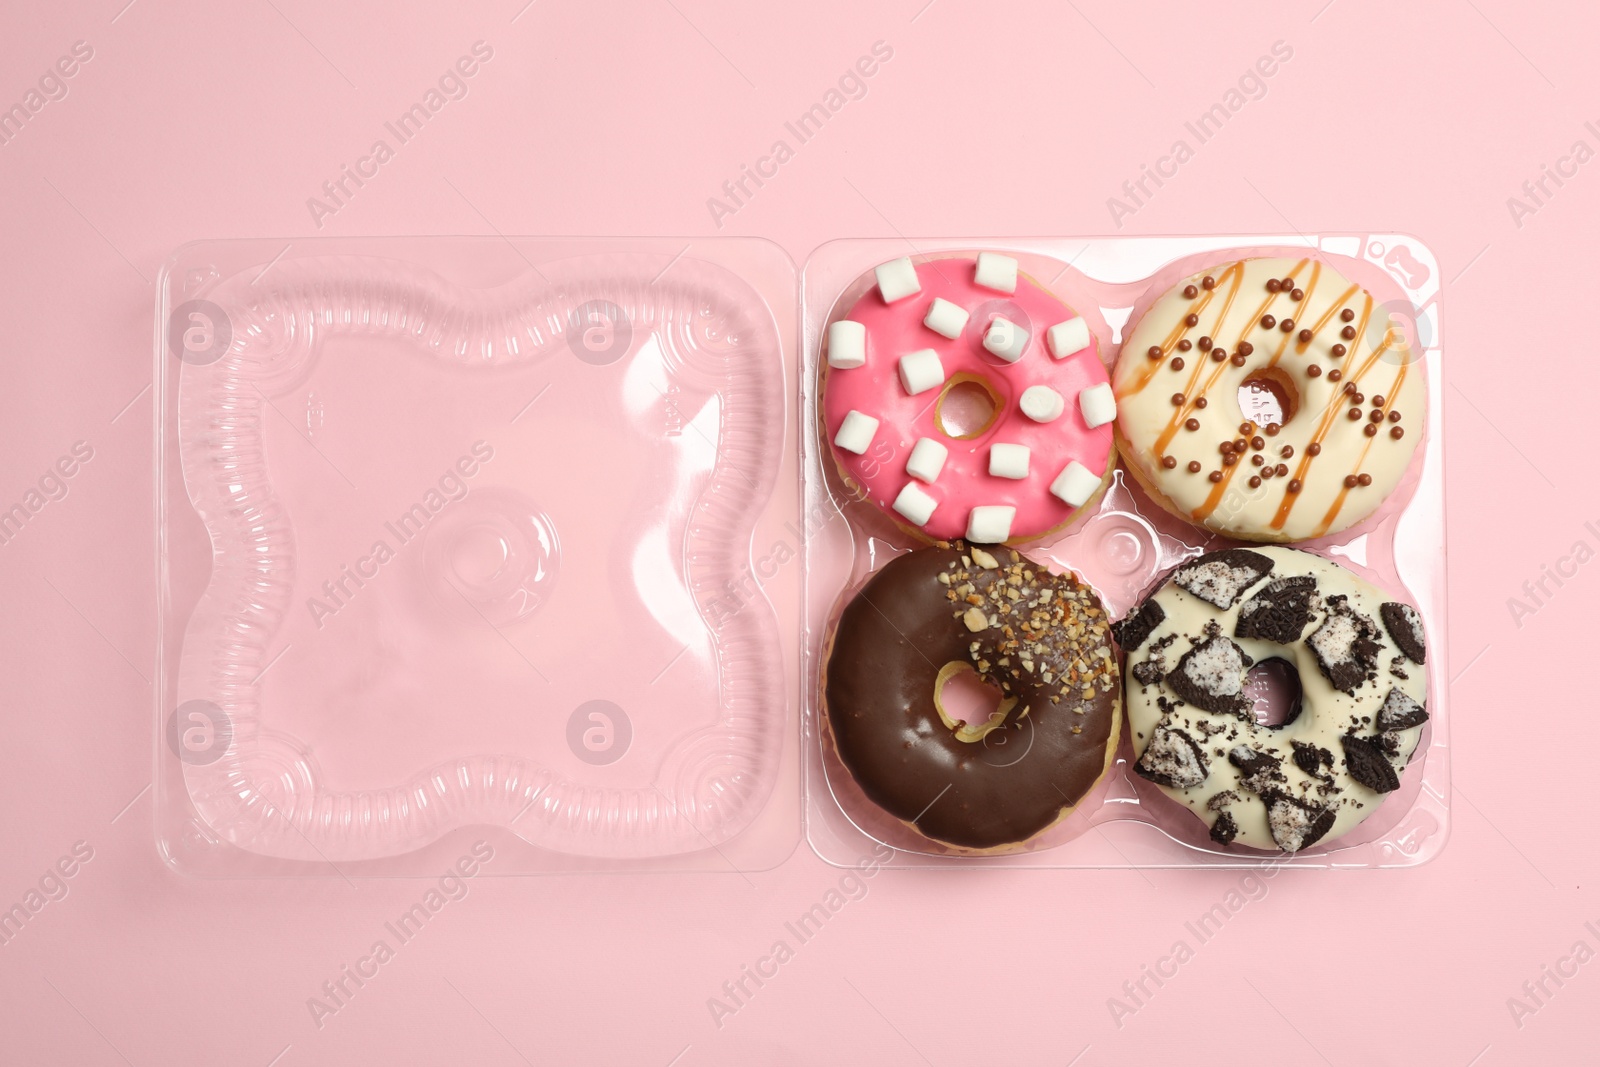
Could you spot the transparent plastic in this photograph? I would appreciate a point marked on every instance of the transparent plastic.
(455, 541)
(1124, 547)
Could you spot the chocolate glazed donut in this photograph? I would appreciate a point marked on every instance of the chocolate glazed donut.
(1042, 640)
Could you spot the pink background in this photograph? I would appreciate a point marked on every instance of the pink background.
(201, 120)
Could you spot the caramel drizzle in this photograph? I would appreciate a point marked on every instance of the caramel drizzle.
(1330, 413)
(1338, 501)
(1235, 271)
(1209, 505)
(1301, 346)
(1190, 392)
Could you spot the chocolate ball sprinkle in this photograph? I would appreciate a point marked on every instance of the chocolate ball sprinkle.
(1219, 355)
(1245, 348)
(1268, 322)
(1350, 481)
(1190, 292)
(1255, 483)
(1155, 352)
(1287, 326)
(1272, 429)
(1281, 470)
(1364, 479)
(1286, 451)
(1394, 416)
(1194, 466)
(1191, 425)
(1168, 462)
(1177, 400)
(1200, 401)
(1377, 415)
(1256, 460)
(1370, 430)
(1294, 485)
(1191, 319)
(1313, 371)
(1177, 363)
(1185, 344)
(1272, 285)
(1346, 315)
(1266, 472)
(1348, 333)
(1247, 426)
(1214, 476)
(1286, 285)
(1204, 343)
(1355, 414)
(1238, 359)
(1335, 374)
(1339, 350)
(1297, 294)
(1208, 282)
(1258, 443)
(1305, 337)
(1377, 400)
(1397, 432)
(1314, 449)
(1230, 459)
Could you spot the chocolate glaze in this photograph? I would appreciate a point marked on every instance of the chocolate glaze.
(904, 626)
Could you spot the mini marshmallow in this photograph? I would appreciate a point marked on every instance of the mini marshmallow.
(916, 505)
(856, 432)
(990, 524)
(921, 371)
(897, 279)
(1098, 404)
(927, 459)
(946, 318)
(1042, 403)
(847, 344)
(1005, 339)
(1008, 461)
(1075, 484)
(996, 272)
(1067, 338)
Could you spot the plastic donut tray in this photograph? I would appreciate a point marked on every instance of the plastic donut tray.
(532, 541)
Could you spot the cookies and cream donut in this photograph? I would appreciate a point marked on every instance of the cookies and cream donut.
(1336, 400)
(1042, 640)
(918, 347)
(1359, 656)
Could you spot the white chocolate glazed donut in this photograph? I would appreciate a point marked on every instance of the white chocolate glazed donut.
(1359, 657)
(1316, 350)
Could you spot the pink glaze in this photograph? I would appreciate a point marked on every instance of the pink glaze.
(894, 330)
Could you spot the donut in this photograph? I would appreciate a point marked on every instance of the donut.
(914, 366)
(1334, 401)
(1358, 656)
(1042, 640)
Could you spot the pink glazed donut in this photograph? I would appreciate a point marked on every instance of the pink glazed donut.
(965, 401)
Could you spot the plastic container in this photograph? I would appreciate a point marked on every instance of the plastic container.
(533, 540)
(1124, 547)
(455, 543)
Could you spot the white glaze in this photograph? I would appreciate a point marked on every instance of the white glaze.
(1376, 359)
(1326, 713)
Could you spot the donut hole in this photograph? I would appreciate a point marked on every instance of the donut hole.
(1273, 687)
(967, 406)
(967, 704)
(1268, 397)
